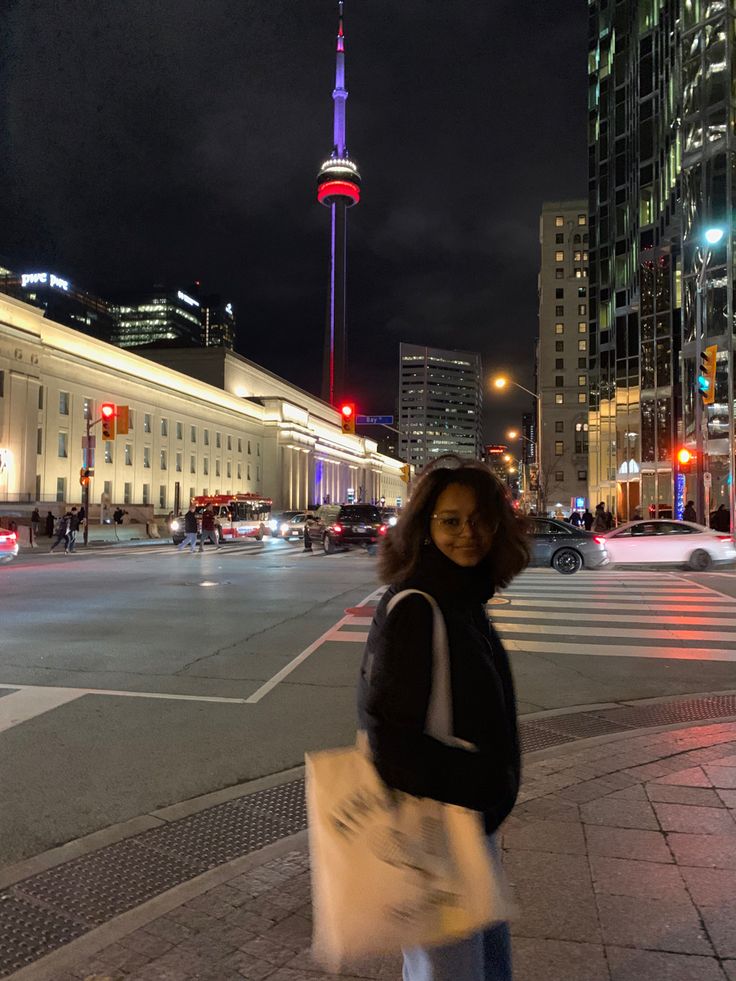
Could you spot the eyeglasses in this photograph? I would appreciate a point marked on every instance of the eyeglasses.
(451, 524)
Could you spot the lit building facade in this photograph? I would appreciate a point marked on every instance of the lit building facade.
(562, 355)
(218, 323)
(661, 169)
(229, 426)
(440, 403)
(162, 314)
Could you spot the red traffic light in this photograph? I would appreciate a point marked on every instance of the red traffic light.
(107, 410)
(347, 417)
(684, 457)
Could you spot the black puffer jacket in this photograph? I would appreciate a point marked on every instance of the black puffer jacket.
(394, 687)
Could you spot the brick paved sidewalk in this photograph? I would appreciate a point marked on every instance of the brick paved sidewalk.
(622, 855)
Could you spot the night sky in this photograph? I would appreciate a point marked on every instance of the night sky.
(178, 140)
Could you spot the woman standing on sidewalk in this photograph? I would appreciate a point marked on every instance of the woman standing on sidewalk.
(458, 539)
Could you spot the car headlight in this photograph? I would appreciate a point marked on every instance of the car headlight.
(284, 528)
(392, 520)
(273, 524)
(175, 525)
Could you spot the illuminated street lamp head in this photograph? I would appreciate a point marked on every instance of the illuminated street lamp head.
(714, 235)
(512, 434)
(507, 458)
(500, 382)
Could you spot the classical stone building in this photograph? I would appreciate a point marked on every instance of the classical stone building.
(209, 421)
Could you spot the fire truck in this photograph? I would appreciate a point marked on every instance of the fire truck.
(236, 516)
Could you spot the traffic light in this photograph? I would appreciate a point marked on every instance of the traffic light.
(685, 460)
(122, 419)
(707, 374)
(347, 416)
(107, 411)
(406, 473)
(84, 475)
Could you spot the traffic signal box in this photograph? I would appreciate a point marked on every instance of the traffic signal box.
(122, 419)
(406, 473)
(347, 417)
(107, 412)
(707, 374)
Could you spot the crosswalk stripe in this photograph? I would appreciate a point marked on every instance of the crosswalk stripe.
(622, 606)
(580, 618)
(671, 634)
(625, 650)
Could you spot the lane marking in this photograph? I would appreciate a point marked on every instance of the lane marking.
(27, 701)
(300, 658)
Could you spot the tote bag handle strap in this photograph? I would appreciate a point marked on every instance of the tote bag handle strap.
(438, 721)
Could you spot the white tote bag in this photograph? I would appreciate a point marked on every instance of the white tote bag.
(390, 870)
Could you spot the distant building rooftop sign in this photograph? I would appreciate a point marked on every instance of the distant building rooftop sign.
(187, 299)
(44, 279)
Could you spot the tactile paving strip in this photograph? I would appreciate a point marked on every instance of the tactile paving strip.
(48, 910)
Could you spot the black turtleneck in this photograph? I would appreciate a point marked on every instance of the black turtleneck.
(395, 682)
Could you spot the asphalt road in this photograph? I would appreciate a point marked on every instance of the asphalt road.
(138, 677)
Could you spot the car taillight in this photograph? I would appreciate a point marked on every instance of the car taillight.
(382, 530)
(725, 538)
(337, 529)
(601, 541)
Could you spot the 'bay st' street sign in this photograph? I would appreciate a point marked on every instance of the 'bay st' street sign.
(375, 420)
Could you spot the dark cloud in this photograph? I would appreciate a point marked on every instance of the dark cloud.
(175, 139)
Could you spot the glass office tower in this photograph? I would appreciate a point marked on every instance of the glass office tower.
(661, 170)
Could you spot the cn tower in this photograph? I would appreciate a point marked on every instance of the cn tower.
(338, 188)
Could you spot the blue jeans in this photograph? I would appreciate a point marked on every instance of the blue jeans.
(189, 539)
(485, 956)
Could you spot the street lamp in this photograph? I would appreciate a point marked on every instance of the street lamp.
(712, 236)
(501, 382)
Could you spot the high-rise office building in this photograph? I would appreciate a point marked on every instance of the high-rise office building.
(61, 300)
(440, 402)
(218, 323)
(562, 355)
(162, 314)
(661, 169)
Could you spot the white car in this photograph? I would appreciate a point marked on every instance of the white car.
(669, 542)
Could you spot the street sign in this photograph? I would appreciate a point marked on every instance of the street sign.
(707, 479)
(89, 442)
(375, 420)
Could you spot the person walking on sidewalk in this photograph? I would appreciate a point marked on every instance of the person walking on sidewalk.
(35, 525)
(458, 540)
(73, 528)
(209, 532)
(600, 522)
(62, 532)
(190, 531)
(308, 522)
(688, 512)
(50, 522)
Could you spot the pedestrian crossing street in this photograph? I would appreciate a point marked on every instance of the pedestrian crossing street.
(631, 614)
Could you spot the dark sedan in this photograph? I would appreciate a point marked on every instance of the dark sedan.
(564, 547)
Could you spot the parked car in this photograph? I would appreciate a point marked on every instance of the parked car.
(564, 547)
(343, 525)
(669, 542)
(8, 545)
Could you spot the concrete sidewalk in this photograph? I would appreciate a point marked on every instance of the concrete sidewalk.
(622, 854)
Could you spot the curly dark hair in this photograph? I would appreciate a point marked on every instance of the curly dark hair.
(400, 552)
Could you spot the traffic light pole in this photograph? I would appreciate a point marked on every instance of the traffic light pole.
(701, 418)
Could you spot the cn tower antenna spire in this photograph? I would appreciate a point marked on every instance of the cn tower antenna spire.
(338, 188)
